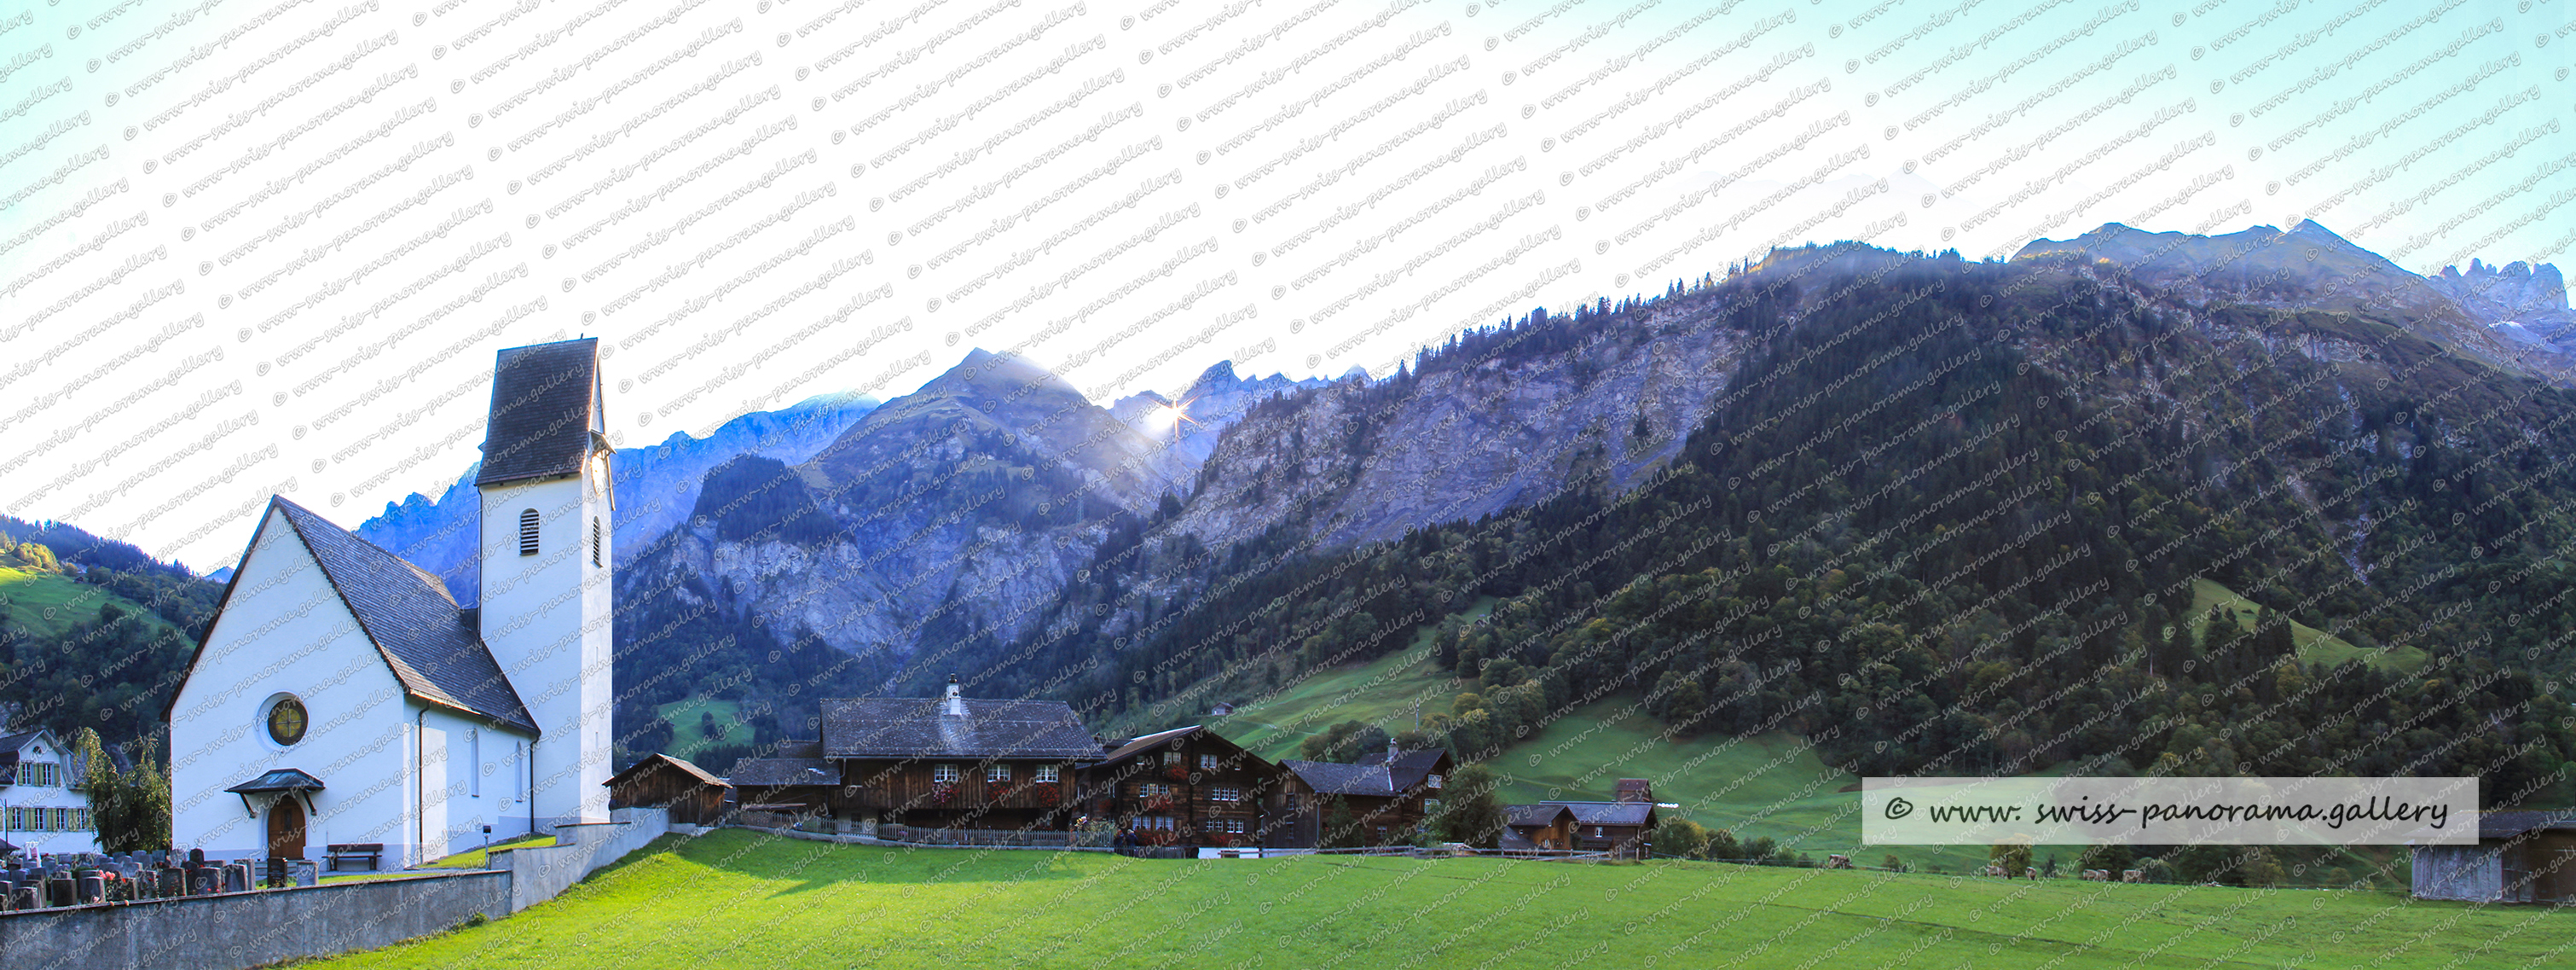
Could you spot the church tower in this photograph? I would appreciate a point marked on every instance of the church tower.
(546, 609)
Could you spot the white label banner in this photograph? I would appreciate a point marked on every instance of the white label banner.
(2169, 811)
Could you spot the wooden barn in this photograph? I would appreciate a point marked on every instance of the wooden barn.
(1185, 786)
(1541, 827)
(2521, 857)
(793, 780)
(1389, 795)
(661, 781)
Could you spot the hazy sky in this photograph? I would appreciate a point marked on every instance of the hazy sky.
(258, 246)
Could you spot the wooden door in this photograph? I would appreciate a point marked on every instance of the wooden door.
(286, 828)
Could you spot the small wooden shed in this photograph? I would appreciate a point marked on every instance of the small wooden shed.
(2521, 857)
(661, 781)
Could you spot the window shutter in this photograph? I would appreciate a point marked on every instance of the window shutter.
(528, 532)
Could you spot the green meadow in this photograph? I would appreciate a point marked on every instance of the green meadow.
(739, 898)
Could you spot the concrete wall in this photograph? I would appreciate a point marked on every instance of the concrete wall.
(541, 873)
(247, 929)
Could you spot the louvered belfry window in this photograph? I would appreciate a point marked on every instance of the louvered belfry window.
(595, 540)
(528, 532)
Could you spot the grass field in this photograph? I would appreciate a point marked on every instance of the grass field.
(741, 899)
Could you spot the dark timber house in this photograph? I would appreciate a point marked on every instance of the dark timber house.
(1186, 786)
(1619, 827)
(955, 762)
(2521, 857)
(1389, 796)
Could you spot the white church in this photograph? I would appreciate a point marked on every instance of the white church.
(341, 696)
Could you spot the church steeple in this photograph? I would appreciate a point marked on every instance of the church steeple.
(545, 558)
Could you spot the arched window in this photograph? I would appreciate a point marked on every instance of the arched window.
(528, 532)
(596, 541)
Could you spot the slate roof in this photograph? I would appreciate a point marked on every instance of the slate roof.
(914, 727)
(2491, 825)
(798, 749)
(540, 425)
(1410, 767)
(11, 744)
(657, 759)
(1335, 778)
(414, 623)
(781, 772)
(1608, 813)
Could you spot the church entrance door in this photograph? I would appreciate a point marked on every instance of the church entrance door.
(286, 828)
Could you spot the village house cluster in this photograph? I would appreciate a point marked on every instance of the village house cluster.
(962, 769)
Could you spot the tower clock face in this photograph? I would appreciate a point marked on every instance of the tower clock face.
(286, 721)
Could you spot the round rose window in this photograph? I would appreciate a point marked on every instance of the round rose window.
(286, 721)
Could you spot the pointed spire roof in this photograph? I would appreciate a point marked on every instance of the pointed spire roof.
(545, 403)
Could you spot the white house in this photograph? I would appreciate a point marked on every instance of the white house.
(342, 696)
(40, 811)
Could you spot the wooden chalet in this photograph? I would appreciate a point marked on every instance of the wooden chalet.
(2521, 857)
(661, 781)
(955, 762)
(1185, 786)
(1389, 795)
(1619, 827)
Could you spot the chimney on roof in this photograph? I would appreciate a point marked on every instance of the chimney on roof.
(956, 705)
(1390, 751)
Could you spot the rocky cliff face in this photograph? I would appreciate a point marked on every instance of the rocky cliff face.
(949, 515)
(657, 485)
(2520, 302)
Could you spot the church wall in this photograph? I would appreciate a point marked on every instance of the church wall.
(286, 631)
(546, 618)
(474, 775)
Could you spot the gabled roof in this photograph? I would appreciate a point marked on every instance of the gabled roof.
(544, 399)
(1145, 742)
(658, 760)
(1609, 813)
(781, 772)
(1335, 778)
(10, 743)
(409, 616)
(1535, 816)
(2499, 825)
(916, 727)
(1633, 790)
(1410, 767)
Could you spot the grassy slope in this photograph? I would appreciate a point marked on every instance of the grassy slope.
(48, 605)
(1384, 692)
(736, 898)
(2314, 645)
(686, 737)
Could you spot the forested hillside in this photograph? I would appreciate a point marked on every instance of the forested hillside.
(1948, 516)
(97, 633)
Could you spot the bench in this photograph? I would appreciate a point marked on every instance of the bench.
(373, 852)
